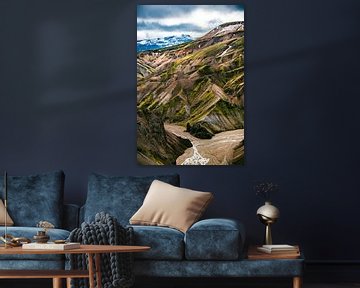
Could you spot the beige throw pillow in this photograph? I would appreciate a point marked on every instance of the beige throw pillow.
(170, 206)
(9, 221)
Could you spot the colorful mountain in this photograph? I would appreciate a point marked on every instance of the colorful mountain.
(198, 85)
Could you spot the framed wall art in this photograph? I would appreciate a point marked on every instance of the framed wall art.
(190, 84)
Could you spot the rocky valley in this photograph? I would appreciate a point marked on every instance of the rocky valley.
(190, 100)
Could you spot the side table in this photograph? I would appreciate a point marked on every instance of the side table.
(288, 259)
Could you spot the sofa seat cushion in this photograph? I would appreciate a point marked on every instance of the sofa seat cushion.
(120, 196)
(29, 232)
(166, 243)
(214, 239)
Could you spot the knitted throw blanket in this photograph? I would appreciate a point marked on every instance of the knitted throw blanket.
(116, 268)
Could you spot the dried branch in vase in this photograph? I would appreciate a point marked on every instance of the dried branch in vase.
(45, 225)
(264, 189)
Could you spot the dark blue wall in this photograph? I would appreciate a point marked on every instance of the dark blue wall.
(68, 97)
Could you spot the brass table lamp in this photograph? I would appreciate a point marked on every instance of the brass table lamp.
(268, 214)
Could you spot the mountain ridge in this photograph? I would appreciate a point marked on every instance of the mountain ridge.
(159, 43)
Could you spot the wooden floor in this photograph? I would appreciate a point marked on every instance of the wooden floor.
(255, 284)
(339, 285)
(45, 283)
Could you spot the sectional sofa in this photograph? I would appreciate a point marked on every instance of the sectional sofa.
(209, 248)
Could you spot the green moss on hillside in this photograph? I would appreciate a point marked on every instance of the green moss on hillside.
(199, 82)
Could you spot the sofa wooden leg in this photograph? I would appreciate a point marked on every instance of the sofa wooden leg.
(297, 282)
(68, 282)
(57, 283)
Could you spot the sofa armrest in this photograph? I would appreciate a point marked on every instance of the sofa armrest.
(71, 216)
(215, 239)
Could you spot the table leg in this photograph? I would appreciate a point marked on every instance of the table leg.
(98, 270)
(57, 283)
(68, 282)
(297, 282)
(91, 270)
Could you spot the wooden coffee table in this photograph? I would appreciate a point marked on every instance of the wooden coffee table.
(94, 267)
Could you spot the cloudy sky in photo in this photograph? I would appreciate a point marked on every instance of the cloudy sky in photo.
(158, 21)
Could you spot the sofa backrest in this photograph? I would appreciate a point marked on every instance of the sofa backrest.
(70, 219)
(35, 198)
(120, 196)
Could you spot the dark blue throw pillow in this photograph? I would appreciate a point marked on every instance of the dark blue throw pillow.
(120, 196)
(35, 198)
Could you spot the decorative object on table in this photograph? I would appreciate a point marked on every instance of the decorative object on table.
(11, 241)
(268, 213)
(41, 236)
(60, 241)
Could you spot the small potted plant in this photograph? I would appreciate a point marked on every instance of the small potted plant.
(41, 236)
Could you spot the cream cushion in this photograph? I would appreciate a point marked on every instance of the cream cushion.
(9, 221)
(170, 206)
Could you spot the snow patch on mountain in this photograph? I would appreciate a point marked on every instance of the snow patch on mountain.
(158, 43)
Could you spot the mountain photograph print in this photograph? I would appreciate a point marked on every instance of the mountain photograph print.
(190, 84)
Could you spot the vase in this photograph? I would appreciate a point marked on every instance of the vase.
(268, 214)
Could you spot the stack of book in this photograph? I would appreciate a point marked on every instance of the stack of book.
(279, 249)
(282, 251)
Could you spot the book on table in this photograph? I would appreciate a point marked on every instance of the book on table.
(278, 249)
(51, 246)
(255, 254)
